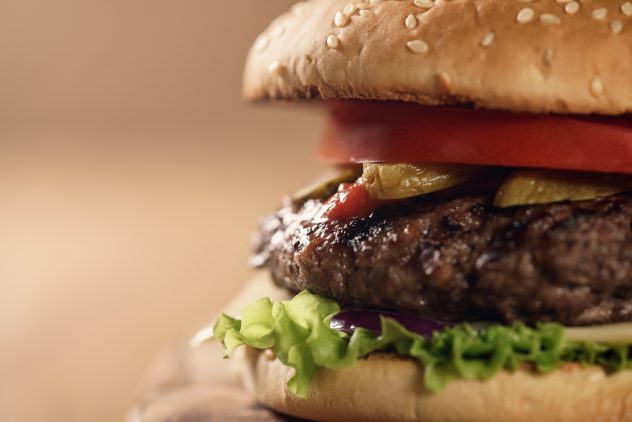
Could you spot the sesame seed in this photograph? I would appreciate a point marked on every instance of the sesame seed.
(424, 4)
(626, 8)
(571, 8)
(349, 9)
(341, 19)
(549, 19)
(411, 22)
(548, 56)
(487, 39)
(563, 1)
(278, 31)
(262, 43)
(375, 1)
(616, 26)
(445, 83)
(600, 13)
(275, 68)
(298, 8)
(525, 15)
(366, 13)
(333, 41)
(418, 46)
(596, 86)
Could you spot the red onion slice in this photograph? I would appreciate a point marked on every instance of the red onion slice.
(348, 320)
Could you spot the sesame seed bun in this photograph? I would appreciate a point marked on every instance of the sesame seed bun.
(386, 387)
(534, 56)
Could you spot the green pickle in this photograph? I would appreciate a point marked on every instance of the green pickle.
(398, 181)
(529, 187)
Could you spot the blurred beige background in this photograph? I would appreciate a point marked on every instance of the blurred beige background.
(131, 176)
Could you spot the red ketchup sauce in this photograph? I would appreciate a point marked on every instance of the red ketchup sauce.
(351, 200)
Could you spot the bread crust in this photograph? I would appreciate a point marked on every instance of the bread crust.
(386, 387)
(472, 52)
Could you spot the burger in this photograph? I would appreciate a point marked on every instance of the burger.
(471, 257)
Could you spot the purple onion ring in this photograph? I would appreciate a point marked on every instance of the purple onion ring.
(348, 320)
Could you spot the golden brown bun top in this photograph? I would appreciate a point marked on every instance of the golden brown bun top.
(538, 56)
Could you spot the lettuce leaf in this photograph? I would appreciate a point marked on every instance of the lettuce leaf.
(299, 333)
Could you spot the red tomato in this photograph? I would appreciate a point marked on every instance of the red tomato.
(360, 132)
(351, 200)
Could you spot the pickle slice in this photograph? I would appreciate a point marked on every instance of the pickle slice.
(325, 186)
(398, 181)
(530, 187)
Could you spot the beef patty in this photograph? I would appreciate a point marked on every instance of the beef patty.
(461, 258)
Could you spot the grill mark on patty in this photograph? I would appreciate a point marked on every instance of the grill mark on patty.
(461, 258)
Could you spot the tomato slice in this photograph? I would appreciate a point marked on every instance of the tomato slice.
(366, 131)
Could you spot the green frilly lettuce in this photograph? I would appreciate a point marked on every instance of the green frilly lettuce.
(299, 333)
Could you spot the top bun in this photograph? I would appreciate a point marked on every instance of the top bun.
(540, 56)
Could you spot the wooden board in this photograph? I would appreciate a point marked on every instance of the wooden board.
(196, 385)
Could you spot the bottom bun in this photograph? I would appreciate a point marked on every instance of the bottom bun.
(387, 387)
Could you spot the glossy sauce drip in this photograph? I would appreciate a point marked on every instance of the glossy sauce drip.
(351, 200)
